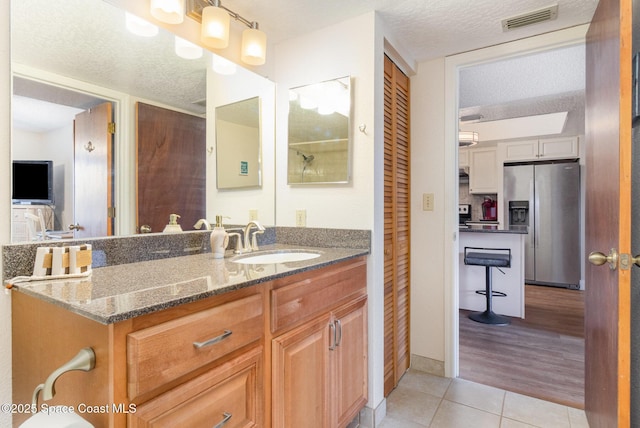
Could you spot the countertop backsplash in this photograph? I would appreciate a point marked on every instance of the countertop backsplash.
(18, 259)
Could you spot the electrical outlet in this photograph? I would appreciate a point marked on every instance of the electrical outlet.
(253, 215)
(301, 218)
(427, 201)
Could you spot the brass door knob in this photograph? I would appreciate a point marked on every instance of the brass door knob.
(145, 228)
(598, 258)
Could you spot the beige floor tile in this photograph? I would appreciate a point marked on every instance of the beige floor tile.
(454, 415)
(475, 395)
(578, 418)
(425, 382)
(411, 405)
(535, 412)
(510, 423)
(391, 422)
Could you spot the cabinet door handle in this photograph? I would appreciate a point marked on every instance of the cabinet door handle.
(332, 336)
(226, 416)
(216, 339)
(338, 332)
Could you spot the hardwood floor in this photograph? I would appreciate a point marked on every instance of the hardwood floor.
(540, 356)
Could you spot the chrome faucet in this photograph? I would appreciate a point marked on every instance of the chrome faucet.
(253, 244)
(200, 222)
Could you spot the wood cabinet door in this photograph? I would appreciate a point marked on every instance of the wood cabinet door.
(349, 372)
(300, 376)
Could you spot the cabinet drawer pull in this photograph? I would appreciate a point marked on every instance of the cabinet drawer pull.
(216, 339)
(226, 418)
(332, 336)
(338, 332)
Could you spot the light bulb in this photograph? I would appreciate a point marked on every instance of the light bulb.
(215, 27)
(254, 46)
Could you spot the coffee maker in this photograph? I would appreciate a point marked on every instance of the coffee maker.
(489, 209)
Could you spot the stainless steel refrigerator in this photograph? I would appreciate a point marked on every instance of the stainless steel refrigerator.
(545, 197)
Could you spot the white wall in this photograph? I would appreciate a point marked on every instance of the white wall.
(351, 48)
(427, 233)
(5, 203)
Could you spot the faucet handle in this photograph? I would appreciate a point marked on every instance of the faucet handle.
(239, 246)
(254, 240)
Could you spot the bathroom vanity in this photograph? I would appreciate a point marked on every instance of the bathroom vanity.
(190, 339)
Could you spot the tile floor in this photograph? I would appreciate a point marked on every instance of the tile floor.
(423, 400)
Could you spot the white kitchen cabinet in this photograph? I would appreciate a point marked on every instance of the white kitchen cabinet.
(542, 149)
(483, 171)
(463, 158)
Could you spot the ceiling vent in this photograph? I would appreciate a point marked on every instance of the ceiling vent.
(548, 13)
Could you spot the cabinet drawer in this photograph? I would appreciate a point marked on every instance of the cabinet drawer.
(231, 392)
(165, 352)
(316, 292)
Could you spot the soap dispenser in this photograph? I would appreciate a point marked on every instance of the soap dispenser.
(173, 225)
(219, 239)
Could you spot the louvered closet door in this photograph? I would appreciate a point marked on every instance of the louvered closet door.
(396, 225)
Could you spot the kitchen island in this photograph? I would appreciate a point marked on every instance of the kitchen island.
(472, 278)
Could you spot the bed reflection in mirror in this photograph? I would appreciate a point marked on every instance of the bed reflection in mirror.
(319, 133)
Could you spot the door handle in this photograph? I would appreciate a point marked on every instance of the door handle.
(75, 227)
(598, 259)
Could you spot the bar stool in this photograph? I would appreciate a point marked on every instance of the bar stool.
(488, 257)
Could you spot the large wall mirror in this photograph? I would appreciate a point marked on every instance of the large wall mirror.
(319, 142)
(71, 56)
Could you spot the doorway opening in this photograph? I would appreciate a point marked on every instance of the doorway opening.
(492, 354)
(44, 128)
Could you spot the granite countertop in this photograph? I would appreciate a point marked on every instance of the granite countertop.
(489, 229)
(120, 292)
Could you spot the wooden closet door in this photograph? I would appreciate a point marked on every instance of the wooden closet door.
(396, 225)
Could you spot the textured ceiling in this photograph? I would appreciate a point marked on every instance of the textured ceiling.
(86, 40)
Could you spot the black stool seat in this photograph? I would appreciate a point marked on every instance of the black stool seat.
(488, 257)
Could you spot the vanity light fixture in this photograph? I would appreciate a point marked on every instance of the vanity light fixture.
(139, 26)
(187, 50)
(167, 11)
(467, 138)
(215, 19)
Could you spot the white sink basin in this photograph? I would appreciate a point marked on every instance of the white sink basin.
(275, 257)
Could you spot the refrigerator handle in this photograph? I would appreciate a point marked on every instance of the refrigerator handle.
(536, 214)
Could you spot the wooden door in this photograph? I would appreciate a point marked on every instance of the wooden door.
(350, 356)
(608, 219)
(170, 167)
(301, 376)
(93, 172)
(396, 225)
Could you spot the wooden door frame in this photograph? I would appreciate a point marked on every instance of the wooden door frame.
(453, 65)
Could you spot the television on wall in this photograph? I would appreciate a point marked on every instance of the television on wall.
(32, 182)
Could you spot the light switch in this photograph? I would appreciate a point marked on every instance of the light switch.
(427, 201)
(253, 215)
